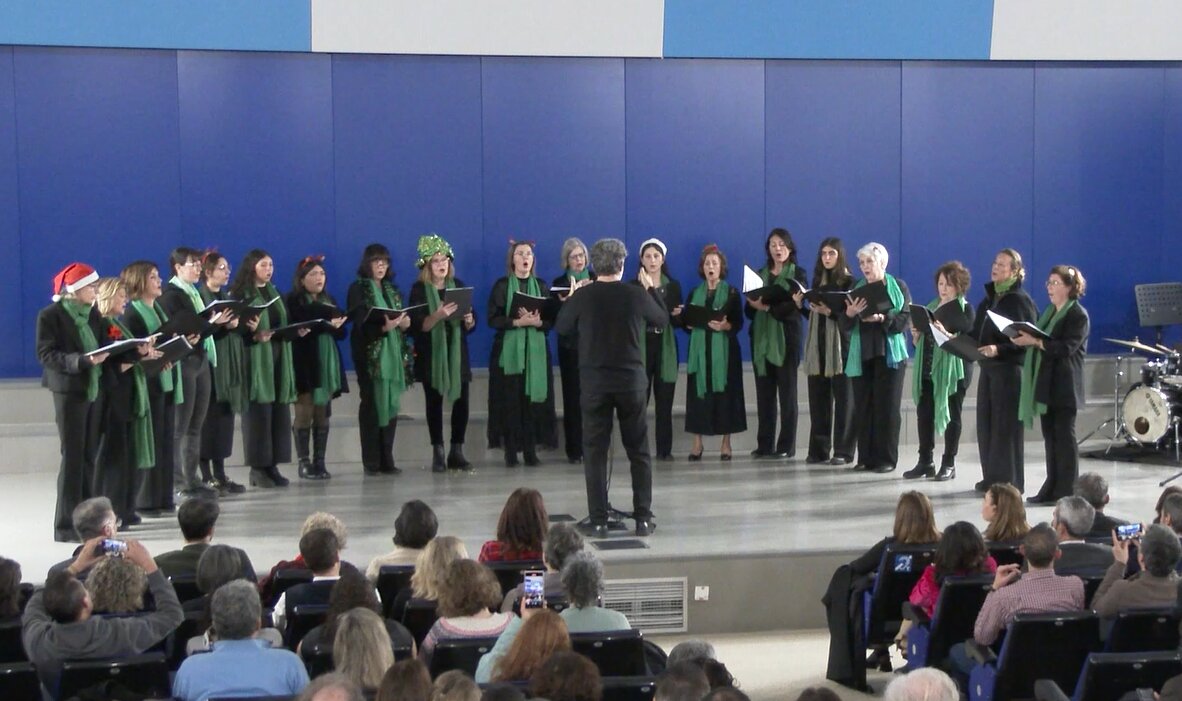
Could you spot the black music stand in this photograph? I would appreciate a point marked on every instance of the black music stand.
(1159, 305)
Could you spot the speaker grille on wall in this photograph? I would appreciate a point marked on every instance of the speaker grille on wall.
(656, 605)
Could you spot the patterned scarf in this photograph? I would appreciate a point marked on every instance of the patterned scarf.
(384, 359)
(329, 381)
(229, 377)
(211, 350)
(719, 348)
(812, 347)
(143, 439)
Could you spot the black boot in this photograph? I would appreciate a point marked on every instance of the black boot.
(302, 437)
(455, 458)
(260, 477)
(438, 463)
(224, 482)
(529, 454)
(319, 450)
(278, 479)
(923, 468)
(387, 465)
(947, 469)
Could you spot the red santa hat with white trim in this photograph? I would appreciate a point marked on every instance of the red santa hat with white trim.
(72, 278)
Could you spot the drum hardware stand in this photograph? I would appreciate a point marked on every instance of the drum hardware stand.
(1177, 455)
(1117, 420)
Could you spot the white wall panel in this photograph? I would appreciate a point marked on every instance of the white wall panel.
(1091, 30)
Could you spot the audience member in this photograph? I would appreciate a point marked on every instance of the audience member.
(818, 693)
(116, 585)
(331, 687)
(197, 517)
(407, 680)
(430, 567)
(567, 676)
(1072, 520)
(542, 634)
(915, 524)
(1005, 513)
(320, 551)
(717, 675)
(219, 565)
(467, 594)
(925, 684)
(682, 681)
(454, 685)
(582, 581)
(725, 693)
(1155, 585)
(92, 518)
(961, 552)
(320, 519)
(502, 692)
(1161, 501)
(562, 541)
(361, 648)
(520, 529)
(1094, 489)
(1170, 513)
(238, 663)
(690, 650)
(415, 526)
(10, 589)
(58, 625)
(353, 591)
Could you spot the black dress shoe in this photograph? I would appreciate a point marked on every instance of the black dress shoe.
(725, 457)
(645, 527)
(922, 469)
(946, 473)
(761, 453)
(982, 486)
(592, 530)
(133, 520)
(665, 457)
(783, 455)
(1038, 499)
(531, 459)
(510, 459)
(859, 467)
(695, 457)
(883, 469)
(841, 460)
(814, 460)
(578, 459)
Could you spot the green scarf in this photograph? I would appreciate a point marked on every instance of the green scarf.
(384, 359)
(329, 382)
(947, 372)
(80, 314)
(446, 359)
(523, 349)
(719, 348)
(170, 380)
(896, 347)
(1028, 406)
(228, 376)
(1000, 288)
(583, 274)
(265, 386)
(143, 439)
(667, 372)
(211, 350)
(767, 336)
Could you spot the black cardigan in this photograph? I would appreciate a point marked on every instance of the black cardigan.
(1015, 305)
(305, 350)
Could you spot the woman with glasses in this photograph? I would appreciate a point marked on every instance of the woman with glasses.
(576, 273)
(227, 395)
(831, 396)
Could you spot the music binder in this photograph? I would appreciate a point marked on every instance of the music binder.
(173, 350)
(292, 331)
(699, 317)
(461, 297)
(529, 303)
(380, 314)
(183, 323)
(1012, 328)
(121, 346)
(877, 299)
(754, 288)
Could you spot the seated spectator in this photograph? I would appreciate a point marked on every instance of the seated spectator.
(1155, 585)
(582, 581)
(961, 552)
(361, 648)
(331, 687)
(468, 593)
(1170, 513)
(10, 590)
(239, 664)
(1040, 590)
(689, 651)
(1005, 513)
(58, 625)
(116, 585)
(1094, 489)
(430, 567)
(927, 683)
(1161, 501)
(725, 693)
(353, 591)
(566, 676)
(415, 526)
(818, 693)
(681, 681)
(321, 553)
(501, 692)
(320, 519)
(517, 654)
(197, 517)
(454, 685)
(717, 675)
(562, 541)
(219, 565)
(1072, 519)
(93, 518)
(407, 680)
(520, 529)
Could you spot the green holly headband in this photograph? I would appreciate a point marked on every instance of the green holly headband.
(431, 244)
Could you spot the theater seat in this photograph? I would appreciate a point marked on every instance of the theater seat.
(300, 620)
(1037, 646)
(459, 653)
(882, 606)
(629, 688)
(617, 653)
(18, 680)
(391, 580)
(1144, 630)
(929, 641)
(11, 647)
(418, 618)
(146, 674)
(1107, 676)
(509, 573)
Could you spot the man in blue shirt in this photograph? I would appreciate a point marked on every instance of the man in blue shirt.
(239, 665)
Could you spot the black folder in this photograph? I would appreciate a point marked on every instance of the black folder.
(173, 349)
(378, 315)
(183, 323)
(1012, 328)
(118, 348)
(877, 299)
(323, 311)
(461, 296)
(292, 331)
(529, 303)
(698, 317)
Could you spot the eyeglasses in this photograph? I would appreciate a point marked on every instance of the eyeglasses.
(1054, 282)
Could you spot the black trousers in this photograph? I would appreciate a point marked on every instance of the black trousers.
(999, 432)
(780, 381)
(572, 417)
(190, 417)
(1058, 435)
(377, 442)
(662, 393)
(78, 432)
(629, 408)
(459, 414)
(831, 409)
(877, 394)
(156, 484)
(266, 434)
(116, 475)
(926, 418)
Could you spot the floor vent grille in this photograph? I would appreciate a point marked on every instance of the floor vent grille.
(656, 605)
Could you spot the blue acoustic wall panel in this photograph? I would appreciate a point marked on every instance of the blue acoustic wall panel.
(1098, 185)
(833, 154)
(406, 136)
(1171, 250)
(968, 136)
(256, 154)
(553, 154)
(15, 357)
(96, 133)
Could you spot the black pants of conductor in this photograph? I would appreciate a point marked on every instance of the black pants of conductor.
(629, 408)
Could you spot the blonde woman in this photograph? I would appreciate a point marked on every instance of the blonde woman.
(361, 649)
(116, 585)
(1003, 510)
(430, 567)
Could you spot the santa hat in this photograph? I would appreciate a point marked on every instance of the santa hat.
(72, 278)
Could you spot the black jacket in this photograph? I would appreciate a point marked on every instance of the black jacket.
(789, 316)
(1060, 378)
(59, 349)
(173, 301)
(305, 350)
(1015, 305)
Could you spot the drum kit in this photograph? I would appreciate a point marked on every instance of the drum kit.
(1150, 415)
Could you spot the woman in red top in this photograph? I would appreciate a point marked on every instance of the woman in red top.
(520, 530)
(961, 552)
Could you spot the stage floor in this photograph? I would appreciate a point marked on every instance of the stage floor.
(706, 509)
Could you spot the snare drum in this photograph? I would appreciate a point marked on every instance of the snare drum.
(1152, 372)
(1150, 412)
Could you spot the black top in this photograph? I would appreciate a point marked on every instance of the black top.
(305, 350)
(610, 320)
(956, 324)
(788, 314)
(59, 349)
(364, 334)
(314, 592)
(422, 339)
(173, 301)
(874, 335)
(565, 341)
(1015, 305)
(670, 294)
(499, 320)
(1060, 377)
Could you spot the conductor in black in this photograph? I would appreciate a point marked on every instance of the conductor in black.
(610, 319)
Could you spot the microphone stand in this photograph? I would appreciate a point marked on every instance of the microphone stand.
(615, 517)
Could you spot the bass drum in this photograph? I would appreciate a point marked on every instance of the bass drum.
(1150, 412)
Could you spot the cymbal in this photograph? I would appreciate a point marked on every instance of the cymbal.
(1136, 345)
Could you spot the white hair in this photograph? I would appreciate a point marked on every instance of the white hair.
(876, 252)
(925, 684)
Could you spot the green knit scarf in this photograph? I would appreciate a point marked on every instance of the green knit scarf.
(446, 337)
(211, 350)
(143, 439)
(523, 349)
(719, 346)
(80, 314)
(1000, 288)
(266, 385)
(896, 347)
(767, 343)
(229, 377)
(329, 381)
(1028, 406)
(667, 370)
(170, 380)
(947, 372)
(384, 359)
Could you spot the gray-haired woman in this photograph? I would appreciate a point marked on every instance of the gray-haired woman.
(582, 580)
(576, 273)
